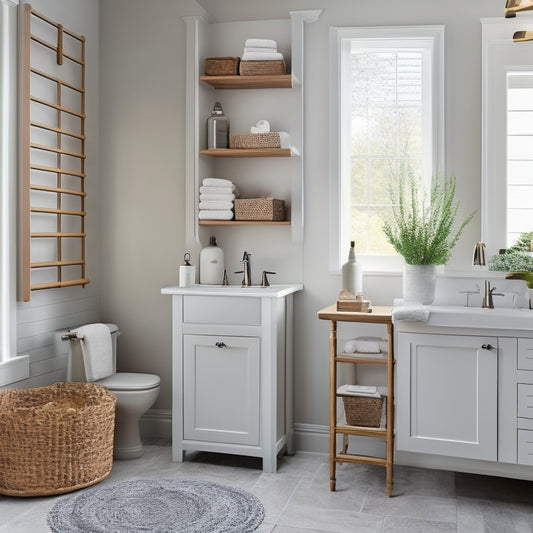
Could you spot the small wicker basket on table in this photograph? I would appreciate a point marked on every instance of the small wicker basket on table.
(55, 439)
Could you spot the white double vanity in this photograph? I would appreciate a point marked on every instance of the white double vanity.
(232, 361)
(465, 381)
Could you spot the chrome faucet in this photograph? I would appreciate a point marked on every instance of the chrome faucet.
(489, 293)
(246, 270)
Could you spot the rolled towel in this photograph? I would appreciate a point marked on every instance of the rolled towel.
(409, 311)
(364, 345)
(215, 214)
(263, 126)
(216, 182)
(215, 204)
(284, 139)
(261, 43)
(262, 56)
(206, 197)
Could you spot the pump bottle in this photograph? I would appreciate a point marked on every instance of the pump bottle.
(352, 273)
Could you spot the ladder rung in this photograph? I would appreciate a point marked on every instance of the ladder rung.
(57, 234)
(58, 171)
(55, 284)
(57, 190)
(55, 211)
(57, 130)
(56, 80)
(56, 150)
(58, 107)
(44, 264)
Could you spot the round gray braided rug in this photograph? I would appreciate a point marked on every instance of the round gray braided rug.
(164, 505)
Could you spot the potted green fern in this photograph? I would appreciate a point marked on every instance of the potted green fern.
(422, 230)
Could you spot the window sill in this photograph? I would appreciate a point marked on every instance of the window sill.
(14, 370)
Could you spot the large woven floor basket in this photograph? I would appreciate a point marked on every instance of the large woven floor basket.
(55, 439)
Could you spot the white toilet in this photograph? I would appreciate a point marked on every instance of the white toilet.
(135, 394)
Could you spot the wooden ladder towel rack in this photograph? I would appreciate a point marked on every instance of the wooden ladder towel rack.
(53, 170)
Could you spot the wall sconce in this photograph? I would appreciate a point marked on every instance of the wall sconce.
(512, 7)
(521, 36)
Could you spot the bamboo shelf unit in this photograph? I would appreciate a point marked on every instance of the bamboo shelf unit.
(338, 425)
(280, 81)
(53, 170)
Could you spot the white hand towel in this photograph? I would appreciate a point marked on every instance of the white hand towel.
(97, 351)
(215, 214)
(263, 126)
(363, 345)
(216, 190)
(402, 310)
(261, 43)
(216, 182)
(260, 49)
(262, 56)
(214, 204)
(217, 197)
(284, 139)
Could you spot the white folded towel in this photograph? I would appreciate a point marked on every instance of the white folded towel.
(215, 204)
(284, 139)
(206, 197)
(366, 345)
(403, 310)
(97, 351)
(216, 190)
(216, 182)
(215, 214)
(261, 43)
(262, 49)
(263, 126)
(262, 56)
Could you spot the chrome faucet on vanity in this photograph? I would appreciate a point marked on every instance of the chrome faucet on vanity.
(487, 297)
(246, 270)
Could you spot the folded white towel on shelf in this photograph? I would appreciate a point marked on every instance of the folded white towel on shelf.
(215, 204)
(410, 311)
(206, 197)
(215, 214)
(96, 350)
(260, 49)
(366, 345)
(217, 190)
(217, 182)
(262, 56)
(261, 43)
(284, 139)
(263, 126)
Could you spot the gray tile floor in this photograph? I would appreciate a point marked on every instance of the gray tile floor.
(297, 499)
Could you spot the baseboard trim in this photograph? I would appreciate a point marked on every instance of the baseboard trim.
(156, 424)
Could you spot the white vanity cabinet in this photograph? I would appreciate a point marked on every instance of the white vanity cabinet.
(447, 395)
(232, 360)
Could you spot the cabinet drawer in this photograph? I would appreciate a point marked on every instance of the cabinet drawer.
(525, 400)
(222, 310)
(525, 354)
(525, 447)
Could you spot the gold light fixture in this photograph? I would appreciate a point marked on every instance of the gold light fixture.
(521, 36)
(512, 7)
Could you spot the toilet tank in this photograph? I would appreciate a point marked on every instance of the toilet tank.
(75, 367)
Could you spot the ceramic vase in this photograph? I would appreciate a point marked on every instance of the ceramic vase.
(419, 283)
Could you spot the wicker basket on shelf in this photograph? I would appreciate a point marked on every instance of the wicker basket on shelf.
(55, 439)
(268, 209)
(262, 68)
(222, 66)
(271, 139)
(363, 411)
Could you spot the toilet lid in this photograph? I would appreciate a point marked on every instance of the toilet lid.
(130, 381)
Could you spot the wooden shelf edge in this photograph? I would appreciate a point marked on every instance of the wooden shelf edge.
(344, 358)
(362, 431)
(275, 81)
(244, 222)
(247, 152)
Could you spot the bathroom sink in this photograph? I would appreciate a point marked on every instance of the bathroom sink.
(473, 317)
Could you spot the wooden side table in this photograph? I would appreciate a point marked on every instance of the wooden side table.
(379, 315)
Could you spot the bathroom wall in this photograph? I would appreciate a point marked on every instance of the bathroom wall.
(142, 170)
(53, 309)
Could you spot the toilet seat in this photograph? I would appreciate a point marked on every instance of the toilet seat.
(132, 381)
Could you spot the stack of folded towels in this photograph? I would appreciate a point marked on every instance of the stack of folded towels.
(261, 50)
(216, 199)
(366, 345)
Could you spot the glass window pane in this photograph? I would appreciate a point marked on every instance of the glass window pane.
(382, 173)
(359, 188)
(520, 172)
(520, 147)
(520, 196)
(520, 123)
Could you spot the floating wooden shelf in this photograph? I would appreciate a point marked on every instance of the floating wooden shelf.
(244, 222)
(247, 152)
(279, 81)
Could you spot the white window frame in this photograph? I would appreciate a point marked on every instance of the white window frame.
(499, 57)
(431, 37)
(12, 368)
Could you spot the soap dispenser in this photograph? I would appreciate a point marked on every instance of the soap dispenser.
(352, 273)
(211, 263)
(217, 128)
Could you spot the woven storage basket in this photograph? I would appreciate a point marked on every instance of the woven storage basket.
(222, 66)
(255, 140)
(363, 411)
(259, 209)
(262, 68)
(55, 439)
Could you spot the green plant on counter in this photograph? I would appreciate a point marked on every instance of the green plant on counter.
(511, 262)
(421, 228)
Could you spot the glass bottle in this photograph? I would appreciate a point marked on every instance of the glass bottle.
(217, 128)
(352, 273)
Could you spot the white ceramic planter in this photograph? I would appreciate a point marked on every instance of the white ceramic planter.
(419, 283)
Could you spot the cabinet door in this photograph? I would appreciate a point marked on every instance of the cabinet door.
(221, 389)
(447, 395)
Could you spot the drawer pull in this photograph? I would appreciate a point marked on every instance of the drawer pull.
(220, 345)
(487, 346)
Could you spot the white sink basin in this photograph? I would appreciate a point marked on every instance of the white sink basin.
(473, 317)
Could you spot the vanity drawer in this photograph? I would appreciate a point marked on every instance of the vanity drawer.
(525, 447)
(525, 354)
(222, 310)
(525, 400)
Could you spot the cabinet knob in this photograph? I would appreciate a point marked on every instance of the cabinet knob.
(487, 346)
(220, 345)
